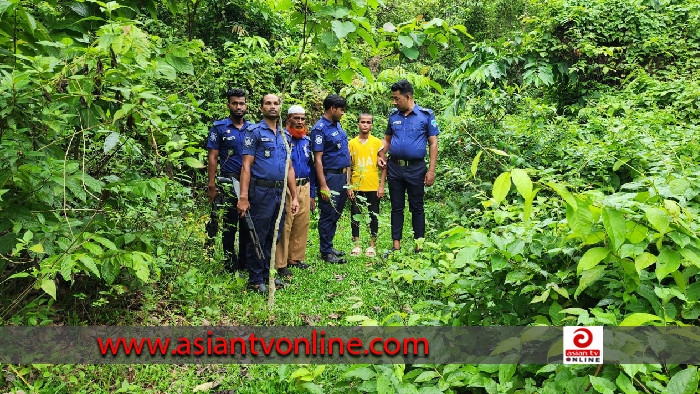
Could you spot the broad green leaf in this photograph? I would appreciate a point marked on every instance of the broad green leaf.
(625, 384)
(90, 264)
(411, 53)
(342, 29)
(501, 187)
(591, 258)
(684, 382)
(603, 385)
(588, 278)
(691, 255)
(406, 41)
(615, 226)
(330, 39)
(122, 112)
(644, 260)
(426, 376)
(638, 319)
(658, 218)
(561, 190)
(193, 162)
(49, 286)
(433, 50)
(522, 182)
(363, 373)
(506, 372)
(692, 292)
(632, 369)
(347, 75)
(38, 248)
(475, 163)
(389, 27)
(620, 163)
(384, 385)
(180, 64)
(299, 373)
(668, 261)
(636, 233)
(465, 256)
(110, 142)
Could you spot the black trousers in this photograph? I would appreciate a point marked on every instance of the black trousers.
(232, 222)
(407, 180)
(365, 199)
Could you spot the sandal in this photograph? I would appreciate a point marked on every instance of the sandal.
(356, 251)
(370, 252)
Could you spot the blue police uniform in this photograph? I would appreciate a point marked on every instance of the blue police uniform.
(406, 167)
(264, 192)
(228, 140)
(330, 138)
(303, 159)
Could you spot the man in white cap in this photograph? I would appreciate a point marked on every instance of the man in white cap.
(291, 251)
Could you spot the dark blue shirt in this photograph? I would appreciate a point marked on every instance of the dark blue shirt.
(269, 151)
(228, 140)
(330, 138)
(409, 133)
(302, 159)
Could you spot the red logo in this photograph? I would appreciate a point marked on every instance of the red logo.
(584, 338)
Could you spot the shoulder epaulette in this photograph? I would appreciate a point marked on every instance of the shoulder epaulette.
(220, 122)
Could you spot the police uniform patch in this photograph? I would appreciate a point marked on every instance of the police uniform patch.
(267, 153)
(319, 139)
(265, 139)
(212, 136)
(396, 122)
(248, 141)
(334, 134)
(433, 122)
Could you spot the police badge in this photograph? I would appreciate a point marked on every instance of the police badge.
(319, 139)
(248, 141)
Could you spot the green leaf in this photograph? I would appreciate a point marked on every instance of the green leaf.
(506, 372)
(466, 255)
(180, 64)
(384, 385)
(501, 187)
(615, 226)
(299, 373)
(433, 51)
(632, 369)
(561, 190)
(426, 376)
(636, 233)
(194, 163)
(330, 39)
(522, 182)
(684, 382)
(389, 27)
(638, 319)
(591, 258)
(668, 261)
(475, 163)
(90, 264)
(49, 286)
(363, 373)
(366, 36)
(603, 385)
(122, 112)
(588, 278)
(625, 384)
(644, 260)
(346, 75)
(406, 41)
(658, 218)
(38, 248)
(691, 255)
(313, 388)
(411, 53)
(111, 141)
(342, 29)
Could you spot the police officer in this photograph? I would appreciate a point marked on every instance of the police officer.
(409, 130)
(291, 250)
(332, 160)
(224, 143)
(262, 177)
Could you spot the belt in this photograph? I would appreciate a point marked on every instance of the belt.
(267, 184)
(335, 171)
(302, 181)
(228, 174)
(406, 162)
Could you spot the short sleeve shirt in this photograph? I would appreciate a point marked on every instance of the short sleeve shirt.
(365, 176)
(409, 133)
(228, 140)
(330, 138)
(269, 151)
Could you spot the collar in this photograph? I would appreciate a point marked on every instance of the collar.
(228, 122)
(416, 108)
(330, 122)
(264, 125)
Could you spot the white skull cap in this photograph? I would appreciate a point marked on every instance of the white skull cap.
(296, 109)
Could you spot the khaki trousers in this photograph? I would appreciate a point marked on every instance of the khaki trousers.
(292, 245)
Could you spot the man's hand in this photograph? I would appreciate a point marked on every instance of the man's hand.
(325, 193)
(351, 194)
(212, 192)
(381, 163)
(381, 193)
(313, 204)
(295, 206)
(244, 205)
(429, 178)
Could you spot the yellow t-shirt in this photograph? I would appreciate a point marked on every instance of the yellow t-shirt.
(365, 176)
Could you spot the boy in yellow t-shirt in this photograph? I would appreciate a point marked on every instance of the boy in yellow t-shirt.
(365, 182)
